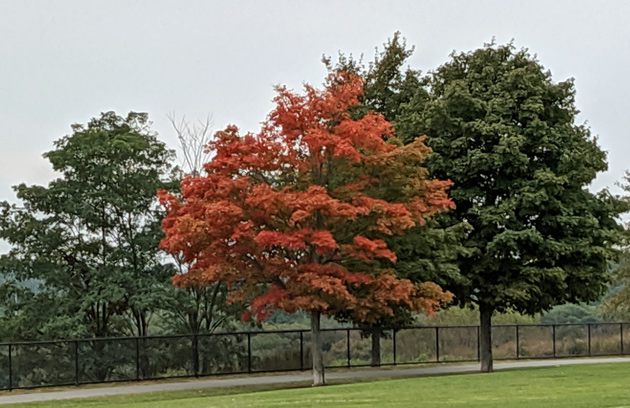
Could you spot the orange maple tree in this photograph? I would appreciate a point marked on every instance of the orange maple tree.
(293, 217)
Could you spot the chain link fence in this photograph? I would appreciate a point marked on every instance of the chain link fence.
(103, 360)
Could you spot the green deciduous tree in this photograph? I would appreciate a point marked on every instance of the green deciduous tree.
(427, 252)
(505, 133)
(89, 240)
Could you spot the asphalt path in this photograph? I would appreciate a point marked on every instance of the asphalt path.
(85, 392)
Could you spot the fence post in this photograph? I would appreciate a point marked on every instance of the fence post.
(10, 367)
(518, 343)
(437, 344)
(589, 338)
(249, 352)
(76, 362)
(621, 337)
(553, 330)
(195, 356)
(478, 346)
(137, 359)
(348, 347)
(301, 350)
(394, 344)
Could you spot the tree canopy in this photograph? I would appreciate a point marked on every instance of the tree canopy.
(88, 242)
(293, 217)
(528, 232)
(505, 134)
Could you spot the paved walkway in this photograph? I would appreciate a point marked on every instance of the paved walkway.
(288, 378)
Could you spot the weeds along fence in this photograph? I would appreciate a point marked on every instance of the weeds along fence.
(101, 360)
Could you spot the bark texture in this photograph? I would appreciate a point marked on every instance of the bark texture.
(318, 357)
(485, 337)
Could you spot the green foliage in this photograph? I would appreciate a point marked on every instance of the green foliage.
(572, 313)
(90, 237)
(505, 134)
(426, 253)
(526, 234)
(470, 316)
(200, 309)
(387, 84)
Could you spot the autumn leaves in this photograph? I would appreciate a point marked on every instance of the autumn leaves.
(293, 217)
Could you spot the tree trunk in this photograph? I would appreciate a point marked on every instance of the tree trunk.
(485, 337)
(316, 349)
(376, 347)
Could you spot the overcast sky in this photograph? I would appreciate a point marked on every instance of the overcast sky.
(65, 61)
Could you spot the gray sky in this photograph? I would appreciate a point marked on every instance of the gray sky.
(65, 61)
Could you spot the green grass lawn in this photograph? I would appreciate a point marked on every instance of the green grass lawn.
(600, 385)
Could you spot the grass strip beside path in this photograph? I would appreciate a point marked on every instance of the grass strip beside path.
(574, 386)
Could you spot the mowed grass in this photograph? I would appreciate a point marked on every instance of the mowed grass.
(596, 385)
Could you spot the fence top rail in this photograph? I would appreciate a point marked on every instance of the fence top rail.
(153, 337)
(290, 331)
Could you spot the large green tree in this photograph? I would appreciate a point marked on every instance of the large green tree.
(84, 259)
(427, 252)
(506, 134)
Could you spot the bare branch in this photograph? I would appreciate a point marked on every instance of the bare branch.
(193, 138)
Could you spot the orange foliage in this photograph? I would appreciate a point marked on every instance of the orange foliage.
(293, 217)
